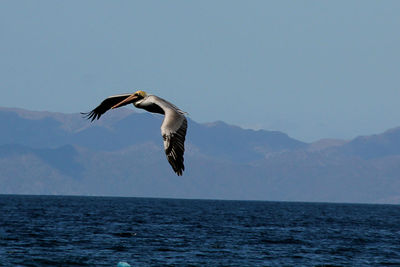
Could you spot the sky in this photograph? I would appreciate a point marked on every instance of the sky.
(311, 69)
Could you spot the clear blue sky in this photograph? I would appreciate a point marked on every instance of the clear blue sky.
(312, 69)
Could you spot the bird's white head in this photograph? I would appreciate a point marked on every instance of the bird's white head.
(133, 98)
(141, 94)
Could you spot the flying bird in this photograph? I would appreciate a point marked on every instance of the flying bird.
(173, 127)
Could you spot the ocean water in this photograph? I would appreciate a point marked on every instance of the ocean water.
(101, 231)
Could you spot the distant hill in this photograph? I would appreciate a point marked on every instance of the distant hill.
(121, 129)
(375, 146)
(122, 155)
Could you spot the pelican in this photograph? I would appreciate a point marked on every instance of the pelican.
(173, 127)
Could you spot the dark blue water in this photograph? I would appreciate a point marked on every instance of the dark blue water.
(97, 231)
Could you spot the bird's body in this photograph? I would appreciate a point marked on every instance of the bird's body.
(173, 128)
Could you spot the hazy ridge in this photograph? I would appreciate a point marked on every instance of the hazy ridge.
(121, 155)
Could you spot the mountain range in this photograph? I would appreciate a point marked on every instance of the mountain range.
(122, 155)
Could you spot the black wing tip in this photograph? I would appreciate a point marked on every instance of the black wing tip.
(90, 115)
(85, 115)
(179, 172)
(177, 165)
(179, 169)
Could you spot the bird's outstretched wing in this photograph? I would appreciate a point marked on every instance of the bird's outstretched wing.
(107, 104)
(174, 140)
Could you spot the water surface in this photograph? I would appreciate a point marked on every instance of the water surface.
(101, 231)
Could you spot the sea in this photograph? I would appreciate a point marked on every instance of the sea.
(105, 231)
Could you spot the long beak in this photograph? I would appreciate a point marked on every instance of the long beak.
(126, 101)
